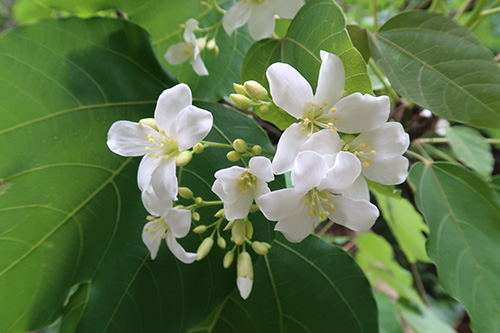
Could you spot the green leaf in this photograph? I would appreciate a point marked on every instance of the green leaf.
(462, 212)
(312, 286)
(437, 63)
(300, 48)
(471, 148)
(406, 225)
(421, 318)
(73, 311)
(359, 37)
(389, 321)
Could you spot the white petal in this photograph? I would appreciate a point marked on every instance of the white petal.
(170, 103)
(298, 226)
(330, 81)
(387, 172)
(289, 89)
(358, 190)
(357, 215)
(127, 138)
(288, 147)
(260, 189)
(308, 171)
(287, 8)
(324, 142)
(236, 16)
(178, 53)
(191, 126)
(279, 204)
(146, 168)
(244, 286)
(179, 220)
(153, 204)
(388, 141)
(191, 26)
(238, 207)
(228, 179)
(342, 175)
(218, 189)
(261, 22)
(178, 250)
(152, 240)
(361, 113)
(261, 167)
(199, 66)
(164, 180)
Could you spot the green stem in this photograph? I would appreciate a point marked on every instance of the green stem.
(209, 144)
(382, 79)
(209, 203)
(445, 140)
(375, 15)
(217, 7)
(418, 156)
(476, 13)
(462, 9)
(422, 151)
(491, 11)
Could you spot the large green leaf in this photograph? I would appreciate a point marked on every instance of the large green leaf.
(437, 63)
(312, 286)
(70, 209)
(463, 213)
(161, 18)
(300, 48)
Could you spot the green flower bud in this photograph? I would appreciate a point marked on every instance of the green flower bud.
(233, 156)
(183, 158)
(151, 122)
(256, 90)
(205, 5)
(267, 245)
(200, 229)
(254, 208)
(198, 200)
(211, 44)
(216, 51)
(201, 42)
(240, 145)
(244, 266)
(220, 213)
(198, 148)
(259, 248)
(239, 89)
(196, 216)
(241, 101)
(257, 150)
(221, 242)
(228, 259)
(264, 109)
(239, 231)
(249, 229)
(186, 193)
(229, 225)
(204, 248)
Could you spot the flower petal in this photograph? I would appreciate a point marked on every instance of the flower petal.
(239, 207)
(387, 172)
(170, 103)
(342, 175)
(287, 8)
(228, 179)
(191, 126)
(178, 250)
(191, 26)
(153, 204)
(260, 189)
(198, 66)
(261, 167)
(280, 204)
(261, 22)
(289, 89)
(358, 190)
(152, 240)
(357, 215)
(331, 80)
(127, 138)
(244, 286)
(324, 142)
(288, 147)
(388, 141)
(308, 171)
(236, 16)
(361, 113)
(178, 53)
(146, 168)
(178, 220)
(164, 180)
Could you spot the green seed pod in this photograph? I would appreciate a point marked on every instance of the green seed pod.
(221, 242)
(228, 259)
(240, 145)
(239, 231)
(257, 150)
(204, 248)
(200, 229)
(233, 156)
(256, 90)
(241, 101)
(186, 193)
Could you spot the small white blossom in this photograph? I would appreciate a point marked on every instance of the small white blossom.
(260, 15)
(238, 187)
(325, 109)
(187, 50)
(180, 125)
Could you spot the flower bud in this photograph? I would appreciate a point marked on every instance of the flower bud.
(221, 242)
(220, 213)
(186, 193)
(204, 248)
(256, 90)
(233, 156)
(248, 229)
(196, 216)
(216, 50)
(200, 229)
(244, 266)
(228, 259)
(183, 158)
(259, 248)
(257, 150)
(240, 145)
(198, 148)
(264, 109)
(239, 231)
(151, 122)
(229, 225)
(267, 245)
(254, 208)
(205, 5)
(241, 101)
(201, 42)
(198, 200)
(211, 44)
(239, 89)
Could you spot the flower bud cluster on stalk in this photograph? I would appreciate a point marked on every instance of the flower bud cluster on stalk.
(337, 142)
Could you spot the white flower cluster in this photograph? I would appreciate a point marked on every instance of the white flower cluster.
(336, 144)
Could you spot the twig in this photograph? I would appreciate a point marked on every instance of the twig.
(418, 283)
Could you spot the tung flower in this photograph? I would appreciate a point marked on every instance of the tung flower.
(187, 50)
(260, 15)
(325, 109)
(180, 126)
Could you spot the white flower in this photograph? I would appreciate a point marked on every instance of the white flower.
(180, 126)
(442, 127)
(187, 50)
(317, 193)
(166, 223)
(260, 15)
(325, 109)
(238, 187)
(244, 269)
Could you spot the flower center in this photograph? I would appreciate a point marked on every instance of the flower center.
(363, 152)
(246, 181)
(318, 117)
(166, 147)
(160, 227)
(319, 200)
(189, 50)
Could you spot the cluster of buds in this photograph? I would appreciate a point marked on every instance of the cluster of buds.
(241, 149)
(252, 94)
